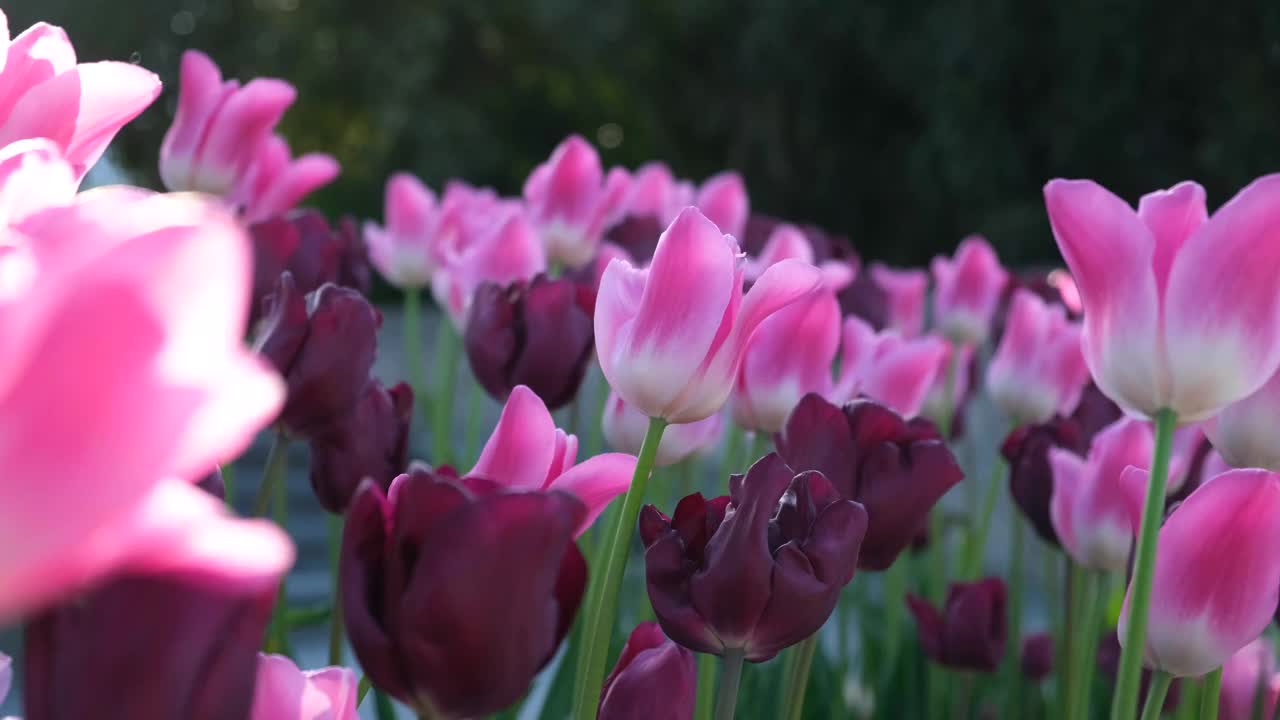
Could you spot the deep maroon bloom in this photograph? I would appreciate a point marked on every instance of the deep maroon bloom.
(537, 333)
(866, 299)
(1094, 412)
(638, 235)
(455, 593)
(969, 632)
(1108, 658)
(1026, 449)
(759, 570)
(1037, 656)
(655, 679)
(324, 346)
(354, 270)
(896, 469)
(299, 242)
(370, 442)
(148, 647)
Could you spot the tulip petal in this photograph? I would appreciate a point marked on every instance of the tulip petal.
(901, 376)
(723, 199)
(37, 55)
(816, 436)
(33, 176)
(297, 179)
(1068, 479)
(667, 579)
(522, 446)
(1172, 216)
(596, 483)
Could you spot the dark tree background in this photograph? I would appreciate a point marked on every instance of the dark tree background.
(904, 124)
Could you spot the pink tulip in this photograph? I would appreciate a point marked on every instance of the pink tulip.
(1090, 508)
(775, 372)
(968, 291)
(1245, 675)
(1182, 311)
(45, 94)
(1038, 370)
(625, 427)
(671, 337)
(788, 241)
(528, 452)
(905, 297)
(895, 372)
(33, 176)
(508, 251)
(122, 317)
(570, 200)
(405, 251)
(220, 127)
(723, 200)
(283, 692)
(1217, 572)
(275, 182)
(1062, 281)
(655, 193)
(1244, 433)
(938, 403)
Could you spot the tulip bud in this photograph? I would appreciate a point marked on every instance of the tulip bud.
(455, 593)
(570, 201)
(1245, 677)
(1026, 450)
(1244, 433)
(655, 679)
(759, 570)
(371, 442)
(283, 692)
(536, 333)
(968, 291)
(301, 243)
(969, 632)
(406, 249)
(1037, 656)
(1038, 369)
(670, 338)
(896, 469)
(353, 259)
(625, 428)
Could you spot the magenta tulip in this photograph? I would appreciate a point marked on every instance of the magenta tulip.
(968, 633)
(967, 291)
(1181, 310)
(283, 692)
(500, 246)
(1245, 677)
(570, 200)
(1038, 369)
(788, 241)
(624, 429)
(888, 368)
(275, 182)
(372, 441)
(1037, 656)
(1244, 433)
(655, 679)
(671, 337)
(888, 298)
(406, 250)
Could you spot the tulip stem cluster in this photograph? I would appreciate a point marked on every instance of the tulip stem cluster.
(447, 351)
(1087, 598)
(274, 474)
(413, 350)
(800, 663)
(1155, 696)
(1125, 702)
(730, 678)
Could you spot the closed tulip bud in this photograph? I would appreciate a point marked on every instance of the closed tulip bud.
(301, 243)
(671, 337)
(625, 427)
(537, 333)
(895, 371)
(406, 249)
(283, 692)
(1244, 433)
(1026, 450)
(570, 201)
(455, 595)
(967, 291)
(655, 679)
(759, 570)
(1037, 656)
(354, 270)
(1245, 679)
(896, 469)
(1217, 574)
(1167, 288)
(371, 442)
(1038, 369)
(969, 631)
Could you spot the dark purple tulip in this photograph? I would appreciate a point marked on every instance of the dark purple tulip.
(147, 647)
(896, 469)
(969, 632)
(1037, 656)
(1026, 449)
(536, 333)
(324, 347)
(1108, 658)
(638, 235)
(759, 570)
(214, 484)
(371, 442)
(1094, 412)
(299, 242)
(353, 256)
(866, 299)
(655, 679)
(455, 593)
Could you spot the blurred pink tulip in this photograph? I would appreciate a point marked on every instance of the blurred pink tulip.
(1181, 311)
(1091, 509)
(122, 317)
(406, 251)
(625, 426)
(654, 193)
(788, 241)
(528, 452)
(938, 403)
(967, 292)
(507, 251)
(1217, 573)
(671, 337)
(895, 372)
(33, 176)
(905, 297)
(219, 128)
(283, 692)
(275, 182)
(1038, 369)
(723, 200)
(1244, 433)
(570, 200)
(45, 94)
(1245, 677)
(787, 357)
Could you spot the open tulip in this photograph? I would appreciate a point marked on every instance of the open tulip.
(888, 368)
(967, 291)
(969, 631)
(625, 426)
(655, 679)
(570, 200)
(670, 337)
(788, 241)
(1244, 433)
(275, 182)
(372, 441)
(405, 250)
(896, 469)
(283, 692)
(757, 571)
(1245, 677)
(1181, 311)
(1217, 574)
(1038, 369)
(456, 594)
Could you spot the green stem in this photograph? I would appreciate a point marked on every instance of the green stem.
(963, 690)
(895, 593)
(1089, 599)
(938, 686)
(595, 423)
(475, 411)
(936, 577)
(976, 545)
(1155, 695)
(730, 677)
(412, 351)
(798, 681)
(1209, 700)
(1128, 681)
(1059, 610)
(273, 474)
(382, 706)
(447, 351)
(362, 689)
(1013, 674)
(600, 624)
(336, 633)
(706, 686)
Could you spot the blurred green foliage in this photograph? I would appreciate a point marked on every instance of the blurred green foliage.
(904, 124)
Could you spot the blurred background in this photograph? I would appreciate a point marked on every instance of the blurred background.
(899, 123)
